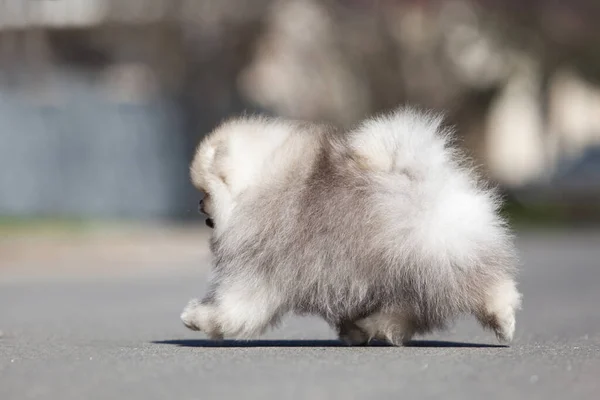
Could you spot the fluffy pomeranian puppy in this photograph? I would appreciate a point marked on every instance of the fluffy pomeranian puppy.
(384, 231)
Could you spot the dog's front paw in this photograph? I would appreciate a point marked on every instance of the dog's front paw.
(188, 316)
(199, 316)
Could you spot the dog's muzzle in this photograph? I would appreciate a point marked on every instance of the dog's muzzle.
(209, 221)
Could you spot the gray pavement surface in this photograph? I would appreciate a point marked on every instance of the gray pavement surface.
(116, 334)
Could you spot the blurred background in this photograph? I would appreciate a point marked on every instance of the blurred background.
(102, 102)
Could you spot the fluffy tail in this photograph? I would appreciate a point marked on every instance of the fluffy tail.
(405, 139)
(443, 218)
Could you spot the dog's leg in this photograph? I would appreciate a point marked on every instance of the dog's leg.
(394, 328)
(351, 334)
(238, 310)
(200, 316)
(498, 311)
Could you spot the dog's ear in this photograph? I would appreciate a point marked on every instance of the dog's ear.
(197, 170)
(203, 162)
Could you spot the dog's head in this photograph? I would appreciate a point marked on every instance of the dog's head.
(231, 160)
(207, 178)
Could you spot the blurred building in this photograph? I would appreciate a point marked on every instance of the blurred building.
(97, 116)
(103, 101)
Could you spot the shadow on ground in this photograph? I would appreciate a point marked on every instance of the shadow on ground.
(313, 343)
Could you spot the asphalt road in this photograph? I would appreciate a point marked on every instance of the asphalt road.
(117, 335)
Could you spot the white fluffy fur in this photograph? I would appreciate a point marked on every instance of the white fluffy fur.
(441, 247)
(256, 150)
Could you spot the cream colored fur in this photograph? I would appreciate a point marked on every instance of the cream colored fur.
(384, 231)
